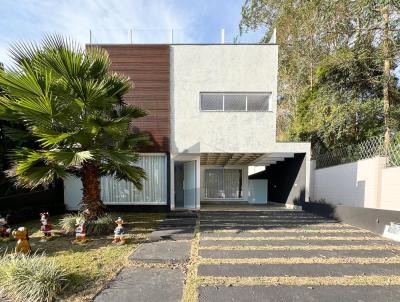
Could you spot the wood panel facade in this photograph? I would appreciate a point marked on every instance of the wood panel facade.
(148, 67)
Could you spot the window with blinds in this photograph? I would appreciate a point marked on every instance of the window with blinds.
(223, 183)
(251, 102)
(154, 191)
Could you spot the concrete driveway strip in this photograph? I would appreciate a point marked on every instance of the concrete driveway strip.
(292, 256)
(144, 285)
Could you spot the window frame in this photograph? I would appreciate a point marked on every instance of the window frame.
(266, 94)
(242, 176)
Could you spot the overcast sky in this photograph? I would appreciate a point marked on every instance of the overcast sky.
(193, 21)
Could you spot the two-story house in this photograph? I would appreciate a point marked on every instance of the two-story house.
(212, 119)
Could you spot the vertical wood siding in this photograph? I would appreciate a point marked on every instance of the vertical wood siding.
(148, 67)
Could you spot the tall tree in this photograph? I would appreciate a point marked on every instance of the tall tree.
(308, 31)
(71, 104)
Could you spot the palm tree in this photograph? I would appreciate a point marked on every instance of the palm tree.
(71, 104)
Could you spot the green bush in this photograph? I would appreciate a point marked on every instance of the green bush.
(102, 226)
(31, 278)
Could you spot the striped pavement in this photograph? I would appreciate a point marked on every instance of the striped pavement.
(289, 256)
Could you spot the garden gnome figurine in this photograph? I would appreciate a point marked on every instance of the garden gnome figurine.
(46, 226)
(5, 230)
(21, 235)
(119, 232)
(80, 230)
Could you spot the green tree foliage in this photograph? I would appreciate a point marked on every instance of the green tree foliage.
(71, 104)
(315, 36)
(345, 105)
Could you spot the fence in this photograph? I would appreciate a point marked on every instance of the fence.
(367, 149)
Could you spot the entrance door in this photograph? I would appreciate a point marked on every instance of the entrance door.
(189, 184)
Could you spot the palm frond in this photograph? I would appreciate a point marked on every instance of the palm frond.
(48, 138)
(67, 158)
(130, 173)
(130, 111)
(134, 139)
(17, 135)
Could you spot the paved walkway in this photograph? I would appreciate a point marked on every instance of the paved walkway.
(289, 256)
(268, 256)
(156, 269)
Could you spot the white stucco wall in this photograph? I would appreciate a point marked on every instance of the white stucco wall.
(390, 192)
(221, 68)
(356, 184)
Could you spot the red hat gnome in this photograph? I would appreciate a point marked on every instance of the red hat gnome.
(119, 232)
(46, 226)
(5, 230)
(80, 230)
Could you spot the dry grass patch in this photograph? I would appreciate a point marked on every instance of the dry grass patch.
(302, 248)
(190, 291)
(301, 281)
(293, 238)
(302, 260)
(89, 266)
(306, 231)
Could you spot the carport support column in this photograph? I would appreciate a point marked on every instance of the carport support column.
(198, 181)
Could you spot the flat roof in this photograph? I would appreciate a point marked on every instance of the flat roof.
(172, 44)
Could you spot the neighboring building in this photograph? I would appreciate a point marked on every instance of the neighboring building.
(212, 118)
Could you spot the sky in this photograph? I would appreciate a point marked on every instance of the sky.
(115, 21)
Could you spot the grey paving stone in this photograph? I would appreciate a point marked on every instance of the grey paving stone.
(300, 294)
(213, 228)
(177, 222)
(293, 242)
(144, 284)
(288, 254)
(172, 233)
(182, 215)
(299, 270)
(162, 251)
(266, 222)
(294, 233)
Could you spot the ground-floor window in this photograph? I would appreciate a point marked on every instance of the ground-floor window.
(223, 183)
(154, 189)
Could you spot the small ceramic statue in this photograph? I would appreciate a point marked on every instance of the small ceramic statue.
(21, 235)
(46, 226)
(5, 230)
(119, 232)
(80, 230)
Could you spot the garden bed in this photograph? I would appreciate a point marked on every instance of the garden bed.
(89, 265)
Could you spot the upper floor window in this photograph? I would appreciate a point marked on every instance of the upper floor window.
(212, 101)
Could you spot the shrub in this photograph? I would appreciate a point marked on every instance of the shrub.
(102, 226)
(31, 278)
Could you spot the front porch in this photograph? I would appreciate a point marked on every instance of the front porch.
(235, 207)
(237, 180)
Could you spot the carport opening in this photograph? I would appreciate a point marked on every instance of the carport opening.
(286, 180)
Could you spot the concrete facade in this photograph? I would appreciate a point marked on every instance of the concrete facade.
(195, 133)
(221, 68)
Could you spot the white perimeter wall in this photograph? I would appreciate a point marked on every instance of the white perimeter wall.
(365, 183)
(221, 68)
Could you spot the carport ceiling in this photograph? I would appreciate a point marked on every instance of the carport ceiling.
(228, 159)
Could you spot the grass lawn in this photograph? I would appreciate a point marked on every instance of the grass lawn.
(92, 264)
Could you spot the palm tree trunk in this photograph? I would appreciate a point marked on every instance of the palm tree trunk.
(92, 206)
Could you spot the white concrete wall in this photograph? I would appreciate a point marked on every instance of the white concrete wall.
(221, 68)
(365, 183)
(390, 192)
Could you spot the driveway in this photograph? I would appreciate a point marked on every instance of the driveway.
(289, 256)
